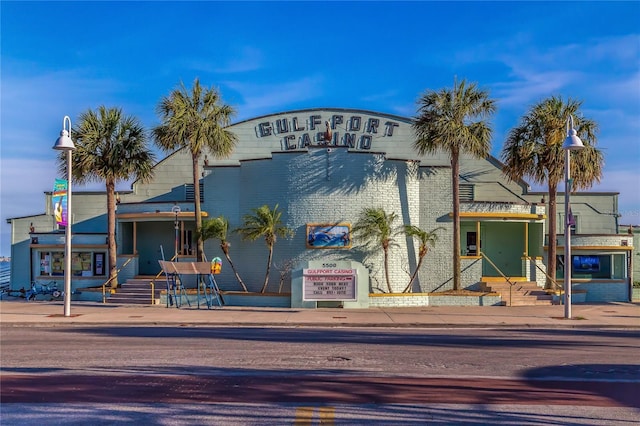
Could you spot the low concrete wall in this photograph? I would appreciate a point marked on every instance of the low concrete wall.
(265, 300)
(480, 300)
(230, 298)
(398, 299)
(577, 296)
(89, 294)
(600, 292)
(430, 299)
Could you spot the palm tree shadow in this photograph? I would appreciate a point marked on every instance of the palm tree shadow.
(617, 382)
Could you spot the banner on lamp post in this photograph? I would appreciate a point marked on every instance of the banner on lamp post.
(59, 200)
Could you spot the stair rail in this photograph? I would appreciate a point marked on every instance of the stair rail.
(511, 284)
(104, 285)
(555, 283)
(153, 282)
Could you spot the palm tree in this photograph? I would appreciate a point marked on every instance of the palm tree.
(266, 223)
(195, 120)
(426, 238)
(376, 226)
(217, 228)
(533, 149)
(110, 147)
(454, 121)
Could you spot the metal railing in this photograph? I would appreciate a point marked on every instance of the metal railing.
(104, 285)
(555, 283)
(511, 284)
(152, 283)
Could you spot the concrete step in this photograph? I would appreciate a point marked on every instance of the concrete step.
(135, 291)
(522, 293)
(129, 300)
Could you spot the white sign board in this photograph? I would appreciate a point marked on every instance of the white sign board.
(329, 284)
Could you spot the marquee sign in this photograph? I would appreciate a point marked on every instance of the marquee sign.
(351, 131)
(329, 284)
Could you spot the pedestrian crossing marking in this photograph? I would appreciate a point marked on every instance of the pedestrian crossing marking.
(305, 415)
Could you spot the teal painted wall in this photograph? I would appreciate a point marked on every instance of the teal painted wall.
(503, 243)
(152, 235)
(536, 236)
(326, 184)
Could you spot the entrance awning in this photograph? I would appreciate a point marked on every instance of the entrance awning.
(158, 216)
(500, 216)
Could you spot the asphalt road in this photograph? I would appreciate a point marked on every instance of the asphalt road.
(219, 375)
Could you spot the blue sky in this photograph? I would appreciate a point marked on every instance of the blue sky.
(62, 58)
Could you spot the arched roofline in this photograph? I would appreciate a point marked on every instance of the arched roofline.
(305, 110)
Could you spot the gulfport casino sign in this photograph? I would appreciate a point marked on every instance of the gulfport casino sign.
(340, 130)
(329, 284)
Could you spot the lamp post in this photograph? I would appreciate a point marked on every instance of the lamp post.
(64, 143)
(176, 211)
(571, 143)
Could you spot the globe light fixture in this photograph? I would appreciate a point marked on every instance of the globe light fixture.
(571, 143)
(65, 143)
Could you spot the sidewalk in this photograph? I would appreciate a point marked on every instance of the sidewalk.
(619, 315)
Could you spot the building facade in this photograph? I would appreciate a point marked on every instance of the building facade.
(322, 167)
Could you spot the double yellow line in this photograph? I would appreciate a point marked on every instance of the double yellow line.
(304, 415)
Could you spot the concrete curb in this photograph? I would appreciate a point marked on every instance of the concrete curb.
(47, 314)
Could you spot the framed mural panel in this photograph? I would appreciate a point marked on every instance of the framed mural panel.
(328, 235)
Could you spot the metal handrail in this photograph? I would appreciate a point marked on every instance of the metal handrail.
(153, 285)
(555, 283)
(500, 272)
(104, 285)
(153, 282)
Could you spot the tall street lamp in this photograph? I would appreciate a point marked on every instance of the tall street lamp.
(571, 143)
(176, 225)
(64, 143)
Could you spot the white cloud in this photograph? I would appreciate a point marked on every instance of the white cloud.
(623, 91)
(382, 96)
(626, 182)
(530, 87)
(242, 60)
(623, 49)
(33, 107)
(258, 99)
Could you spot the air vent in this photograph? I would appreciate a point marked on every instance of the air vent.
(466, 192)
(190, 193)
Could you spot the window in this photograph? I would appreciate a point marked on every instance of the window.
(83, 264)
(593, 266)
(187, 242)
(472, 244)
(585, 264)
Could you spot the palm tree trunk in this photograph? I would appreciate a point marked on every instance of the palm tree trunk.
(413, 276)
(266, 277)
(455, 181)
(225, 250)
(111, 232)
(386, 268)
(553, 240)
(196, 203)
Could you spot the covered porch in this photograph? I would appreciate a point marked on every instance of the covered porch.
(506, 238)
(156, 231)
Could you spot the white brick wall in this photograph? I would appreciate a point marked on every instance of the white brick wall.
(423, 299)
(604, 292)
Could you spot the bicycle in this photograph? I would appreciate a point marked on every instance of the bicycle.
(50, 288)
